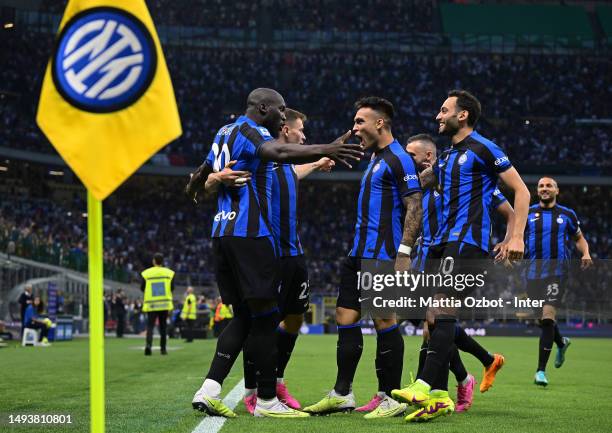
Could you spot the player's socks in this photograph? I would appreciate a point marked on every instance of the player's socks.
(229, 345)
(285, 342)
(547, 337)
(467, 344)
(390, 349)
(559, 340)
(456, 366)
(262, 348)
(422, 356)
(348, 353)
(440, 344)
(248, 366)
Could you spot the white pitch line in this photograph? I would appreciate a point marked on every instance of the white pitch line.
(212, 424)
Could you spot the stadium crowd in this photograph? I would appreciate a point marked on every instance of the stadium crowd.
(534, 106)
(152, 214)
(396, 16)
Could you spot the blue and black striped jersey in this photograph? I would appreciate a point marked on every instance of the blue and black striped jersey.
(390, 176)
(467, 175)
(547, 238)
(432, 214)
(284, 210)
(242, 211)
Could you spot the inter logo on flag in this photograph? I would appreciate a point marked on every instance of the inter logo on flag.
(105, 60)
(107, 103)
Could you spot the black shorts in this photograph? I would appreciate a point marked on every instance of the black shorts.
(455, 258)
(246, 268)
(550, 289)
(294, 295)
(348, 293)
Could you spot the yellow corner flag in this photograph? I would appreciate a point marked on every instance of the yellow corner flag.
(107, 103)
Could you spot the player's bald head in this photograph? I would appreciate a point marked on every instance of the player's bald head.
(265, 96)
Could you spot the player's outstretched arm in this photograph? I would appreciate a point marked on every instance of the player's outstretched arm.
(506, 211)
(338, 150)
(227, 177)
(323, 164)
(413, 220)
(512, 179)
(583, 246)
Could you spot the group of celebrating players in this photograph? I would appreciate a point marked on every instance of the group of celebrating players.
(407, 194)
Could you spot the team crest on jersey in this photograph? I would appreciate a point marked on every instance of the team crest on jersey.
(560, 220)
(104, 61)
(376, 167)
(462, 159)
(537, 215)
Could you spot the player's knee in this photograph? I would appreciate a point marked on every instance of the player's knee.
(549, 312)
(292, 323)
(346, 316)
(380, 324)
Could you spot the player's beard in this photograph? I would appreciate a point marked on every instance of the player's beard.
(547, 200)
(450, 128)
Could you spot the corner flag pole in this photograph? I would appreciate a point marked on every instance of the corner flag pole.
(96, 313)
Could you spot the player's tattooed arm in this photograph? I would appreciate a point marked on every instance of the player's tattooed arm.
(414, 218)
(412, 228)
(428, 178)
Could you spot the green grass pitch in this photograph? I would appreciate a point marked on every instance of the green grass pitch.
(154, 394)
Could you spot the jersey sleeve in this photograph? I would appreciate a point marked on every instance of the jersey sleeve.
(404, 173)
(573, 223)
(492, 156)
(498, 199)
(252, 139)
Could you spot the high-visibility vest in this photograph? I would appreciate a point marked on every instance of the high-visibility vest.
(157, 293)
(189, 308)
(222, 312)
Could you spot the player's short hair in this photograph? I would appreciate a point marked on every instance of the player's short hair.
(421, 137)
(292, 115)
(549, 177)
(158, 258)
(468, 102)
(382, 105)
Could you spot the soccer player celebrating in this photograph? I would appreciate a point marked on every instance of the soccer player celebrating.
(423, 149)
(550, 227)
(389, 187)
(243, 246)
(466, 175)
(294, 290)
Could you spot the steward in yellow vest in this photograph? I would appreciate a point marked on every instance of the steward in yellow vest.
(157, 285)
(188, 314)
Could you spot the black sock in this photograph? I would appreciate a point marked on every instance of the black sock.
(546, 341)
(229, 345)
(248, 366)
(348, 352)
(263, 350)
(456, 365)
(379, 373)
(422, 357)
(390, 349)
(558, 337)
(285, 342)
(467, 344)
(440, 343)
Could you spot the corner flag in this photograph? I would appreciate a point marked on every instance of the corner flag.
(107, 103)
